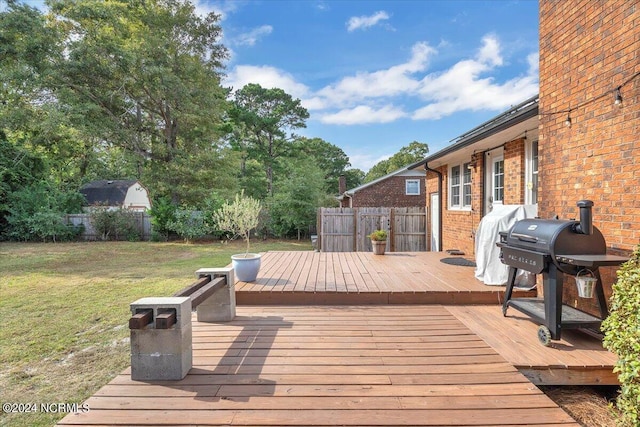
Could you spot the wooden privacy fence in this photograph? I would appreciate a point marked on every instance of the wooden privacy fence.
(142, 219)
(347, 229)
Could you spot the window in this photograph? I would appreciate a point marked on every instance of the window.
(498, 181)
(460, 187)
(531, 194)
(466, 185)
(412, 187)
(455, 186)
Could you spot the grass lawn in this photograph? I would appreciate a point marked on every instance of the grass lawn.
(64, 310)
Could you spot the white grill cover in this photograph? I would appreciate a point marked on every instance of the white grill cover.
(489, 268)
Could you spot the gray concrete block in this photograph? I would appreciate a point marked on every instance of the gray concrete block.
(160, 367)
(165, 341)
(162, 354)
(221, 306)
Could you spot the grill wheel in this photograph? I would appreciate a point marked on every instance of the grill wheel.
(544, 336)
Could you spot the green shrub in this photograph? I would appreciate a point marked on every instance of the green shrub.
(36, 213)
(115, 224)
(163, 213)
(622, 337)
(189, 224)
(378, 235)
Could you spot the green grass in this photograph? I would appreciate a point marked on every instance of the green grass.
(64, 310)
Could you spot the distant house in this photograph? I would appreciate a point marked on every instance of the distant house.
(121, 194)
(403, 188)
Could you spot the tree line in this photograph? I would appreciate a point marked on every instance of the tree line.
(132, 90)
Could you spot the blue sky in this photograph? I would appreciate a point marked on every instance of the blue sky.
(377, 75)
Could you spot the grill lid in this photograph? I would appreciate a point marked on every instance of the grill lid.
(555, 238)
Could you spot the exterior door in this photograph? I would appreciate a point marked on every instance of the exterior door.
(494, 179)
(434, 207)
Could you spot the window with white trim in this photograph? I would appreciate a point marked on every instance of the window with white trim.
(412, 187)
(531, 193)
(460, 186)
(498, 181)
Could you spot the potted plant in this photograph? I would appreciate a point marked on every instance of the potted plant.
(378, 241)
(239, 218)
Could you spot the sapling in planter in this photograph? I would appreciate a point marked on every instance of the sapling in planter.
(239, 218)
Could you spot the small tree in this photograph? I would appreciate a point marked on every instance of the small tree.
(239, 217)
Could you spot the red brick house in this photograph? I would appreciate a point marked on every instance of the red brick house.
(492, 164)
(578, 140)
(403, 188)
(590, 118)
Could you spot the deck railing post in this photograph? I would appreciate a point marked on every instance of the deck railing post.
(221, 306)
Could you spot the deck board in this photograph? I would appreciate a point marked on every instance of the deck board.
(576, 359)
(332, 365)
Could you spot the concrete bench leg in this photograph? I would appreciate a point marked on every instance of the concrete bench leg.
(162, 354)
(221, 306)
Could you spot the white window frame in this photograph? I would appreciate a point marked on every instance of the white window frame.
(465, 188)
(406, 187)
(531, 181)
(494, 176)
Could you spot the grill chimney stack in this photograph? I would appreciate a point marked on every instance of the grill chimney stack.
(586, 218)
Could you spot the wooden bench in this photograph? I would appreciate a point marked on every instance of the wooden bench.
(198, 292)
(161, 330)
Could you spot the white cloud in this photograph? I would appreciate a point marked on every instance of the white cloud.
(490, 51)
(363, 114)
(462, 86)
(533, 60)
(250, 38)
(222, 8)
(267, 77)
(363, 22)
(365, 161)
(393, 81)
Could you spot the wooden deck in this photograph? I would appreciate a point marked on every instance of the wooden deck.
(353, 339)
(357, 278)
(333, 365)
(354, 278)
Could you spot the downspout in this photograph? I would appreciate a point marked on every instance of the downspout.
(428, 169)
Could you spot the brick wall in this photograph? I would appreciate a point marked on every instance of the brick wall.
(514, 172)
(390, 192)
(588, 48)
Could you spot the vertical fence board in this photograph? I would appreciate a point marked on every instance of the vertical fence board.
(347, 229)
(337, 228)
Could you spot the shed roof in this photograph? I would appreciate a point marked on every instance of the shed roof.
(107, 192)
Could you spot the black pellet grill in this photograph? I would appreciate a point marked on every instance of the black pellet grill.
(554, 248)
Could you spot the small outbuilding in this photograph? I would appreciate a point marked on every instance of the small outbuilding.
(117, 194)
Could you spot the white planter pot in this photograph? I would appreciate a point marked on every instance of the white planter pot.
(378, 246)
(246, 266)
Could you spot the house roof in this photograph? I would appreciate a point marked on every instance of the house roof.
(107, 192)
(405, 170)
(503, 128)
